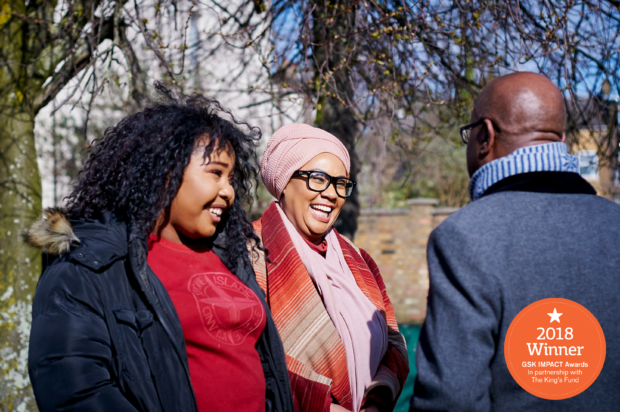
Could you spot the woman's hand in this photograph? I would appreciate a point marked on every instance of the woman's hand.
(371, 408)
(337, 408)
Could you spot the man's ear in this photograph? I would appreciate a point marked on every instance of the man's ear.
(487, 137)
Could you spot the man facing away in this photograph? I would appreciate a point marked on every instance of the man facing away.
(534, 230)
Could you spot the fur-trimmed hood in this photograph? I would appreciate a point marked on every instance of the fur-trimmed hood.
(52, 232)
(94, 243)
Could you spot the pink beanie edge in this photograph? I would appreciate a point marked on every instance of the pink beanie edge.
(291, 147)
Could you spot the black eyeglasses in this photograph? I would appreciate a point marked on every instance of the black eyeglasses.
(320, 181)
(466, 130)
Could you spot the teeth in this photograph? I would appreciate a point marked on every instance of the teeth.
(216, 211)
(323, 214)
(322, 208)
(322, 211)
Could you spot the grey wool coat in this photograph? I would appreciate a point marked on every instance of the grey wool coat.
(530, 237)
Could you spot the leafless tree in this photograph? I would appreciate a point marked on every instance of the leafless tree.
(69, 51)
(357, 61)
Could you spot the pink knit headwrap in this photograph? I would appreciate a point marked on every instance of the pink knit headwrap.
(291, 147)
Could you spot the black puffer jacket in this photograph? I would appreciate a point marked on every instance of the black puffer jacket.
(105, 334)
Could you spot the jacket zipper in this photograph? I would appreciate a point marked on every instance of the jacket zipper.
(164, 325)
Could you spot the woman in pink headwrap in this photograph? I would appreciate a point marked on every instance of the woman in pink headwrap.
(328, 300)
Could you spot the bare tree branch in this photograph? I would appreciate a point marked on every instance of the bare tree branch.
(73, 65)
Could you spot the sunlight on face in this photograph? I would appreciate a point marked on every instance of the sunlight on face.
(203, 197)
(313, 213)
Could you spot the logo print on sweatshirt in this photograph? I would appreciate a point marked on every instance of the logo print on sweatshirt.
(229, 310)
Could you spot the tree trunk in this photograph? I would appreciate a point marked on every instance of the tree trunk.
(333, 115)
(31, 52)
(20, 265)
(341, 122)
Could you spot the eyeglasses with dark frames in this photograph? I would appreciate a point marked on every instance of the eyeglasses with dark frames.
(320, 181)
(466, 130)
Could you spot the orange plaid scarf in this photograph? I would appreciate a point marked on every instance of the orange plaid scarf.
(315, 355)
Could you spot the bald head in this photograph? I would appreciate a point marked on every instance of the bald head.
(523, 105)
(521, 109)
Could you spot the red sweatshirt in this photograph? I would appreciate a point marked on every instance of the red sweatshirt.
(222, 320)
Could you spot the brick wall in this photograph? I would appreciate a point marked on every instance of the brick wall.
(396, 239)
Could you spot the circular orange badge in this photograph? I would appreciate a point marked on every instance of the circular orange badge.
(555, 348)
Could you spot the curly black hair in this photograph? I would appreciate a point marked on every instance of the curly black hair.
(135, 170)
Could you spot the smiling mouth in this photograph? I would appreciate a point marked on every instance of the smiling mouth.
(216, 211)
(321, 212)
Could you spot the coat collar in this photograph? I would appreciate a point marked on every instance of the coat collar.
(543, 182)
(102, 241)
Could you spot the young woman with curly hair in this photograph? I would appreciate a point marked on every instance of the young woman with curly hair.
(148, 301)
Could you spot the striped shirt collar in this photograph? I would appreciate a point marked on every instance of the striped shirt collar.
(550, 157)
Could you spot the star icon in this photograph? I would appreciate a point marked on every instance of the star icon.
(555, 315)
